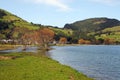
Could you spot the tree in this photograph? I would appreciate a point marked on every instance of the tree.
(81, 41)
(108, 41)
(87, 42)
(25, 40)
(63, 40)
(44, 37)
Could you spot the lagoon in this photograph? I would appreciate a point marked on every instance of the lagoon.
(99, 62)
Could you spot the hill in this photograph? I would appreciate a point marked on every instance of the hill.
(93, 24)
(13, 26)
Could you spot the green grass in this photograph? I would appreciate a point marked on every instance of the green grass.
(113, 29)
(27, 25)
(67, 32)
(36, 67)
(114, 33)
(17, 21)
(115, 36)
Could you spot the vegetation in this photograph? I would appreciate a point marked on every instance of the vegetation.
(82, 41)
(44, 36)
(28, 66)
(63, 40)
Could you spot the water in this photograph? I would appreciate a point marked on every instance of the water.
(99, 62)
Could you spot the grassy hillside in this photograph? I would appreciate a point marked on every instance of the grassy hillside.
(112, 33)
(11, 24)
(113, 29)
(14, 20)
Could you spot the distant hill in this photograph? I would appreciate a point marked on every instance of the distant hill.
(93, 24)
(96, 29)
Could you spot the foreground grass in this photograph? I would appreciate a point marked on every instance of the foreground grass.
(27, 66)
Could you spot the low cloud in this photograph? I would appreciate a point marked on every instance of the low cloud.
(56, 3)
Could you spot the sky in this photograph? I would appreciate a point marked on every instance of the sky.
(60, 12)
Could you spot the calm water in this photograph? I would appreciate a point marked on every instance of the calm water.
(99, 62)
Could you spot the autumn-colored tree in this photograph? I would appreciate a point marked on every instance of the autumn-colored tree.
(112, 41)
(81, 41)
(35, 37)
(25, 40)
(41, 37)
(63, 40)
(108, 41)
(87, 42)
(44, 37)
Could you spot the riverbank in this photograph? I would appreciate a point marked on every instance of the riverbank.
(29, 66)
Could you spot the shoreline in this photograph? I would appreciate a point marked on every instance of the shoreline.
(82, 45)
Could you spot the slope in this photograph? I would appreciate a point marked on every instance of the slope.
(12, 25)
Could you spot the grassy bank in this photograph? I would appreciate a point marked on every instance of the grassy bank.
(27, 66)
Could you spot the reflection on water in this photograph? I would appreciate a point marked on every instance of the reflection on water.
(99, 62)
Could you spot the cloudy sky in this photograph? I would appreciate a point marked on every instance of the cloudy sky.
(60, 12)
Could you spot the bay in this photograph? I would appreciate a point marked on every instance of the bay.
(99, 62)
